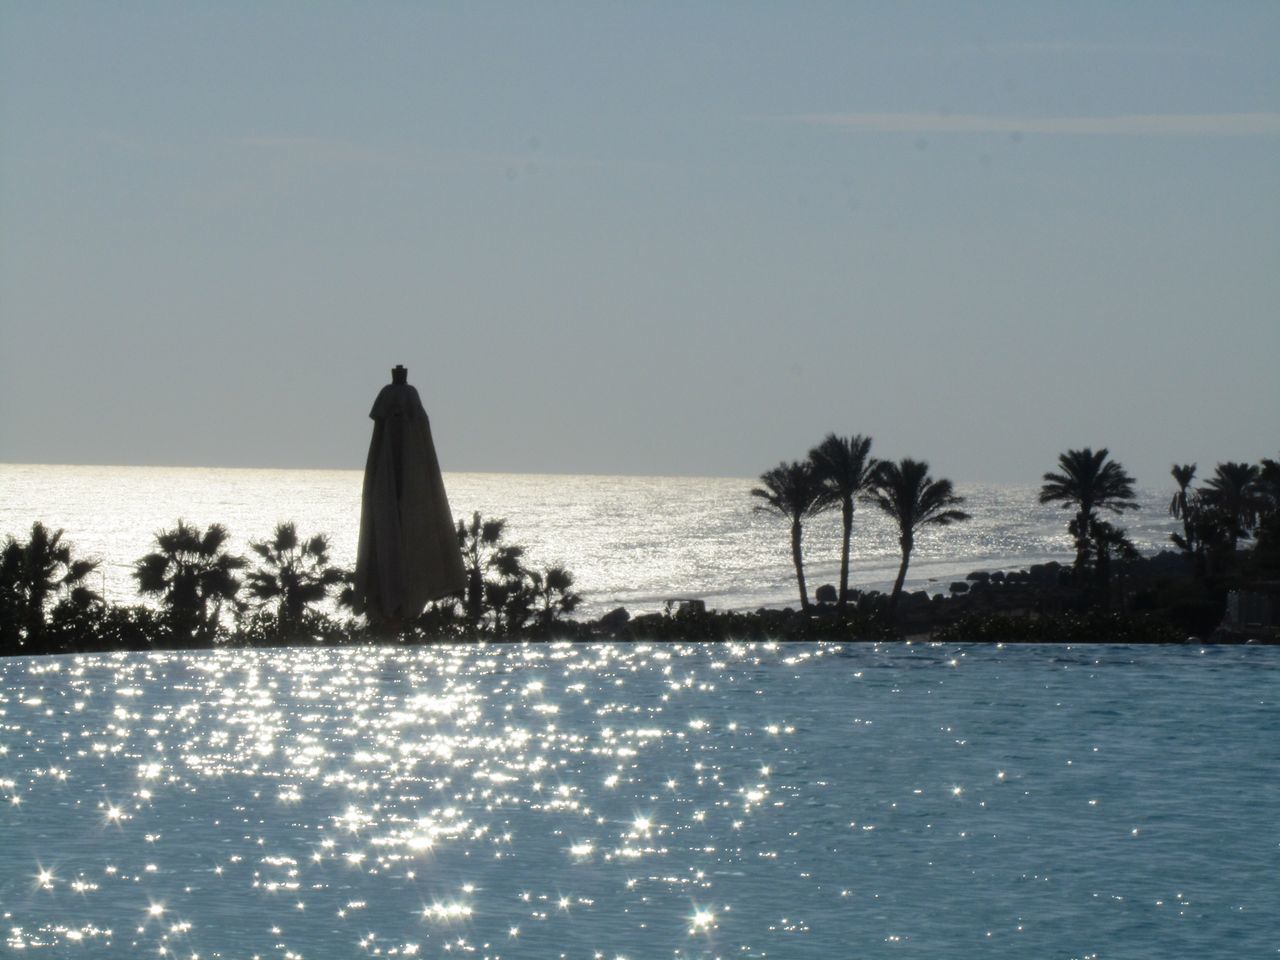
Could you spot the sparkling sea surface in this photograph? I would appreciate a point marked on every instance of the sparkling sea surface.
(632, 541)
(630, 800)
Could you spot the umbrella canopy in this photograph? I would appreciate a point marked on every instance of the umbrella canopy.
(408, 551)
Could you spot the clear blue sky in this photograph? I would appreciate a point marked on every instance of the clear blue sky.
(641, 238)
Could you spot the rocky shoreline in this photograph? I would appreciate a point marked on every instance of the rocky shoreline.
(1154, 599)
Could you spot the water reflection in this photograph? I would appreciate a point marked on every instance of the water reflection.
(539, 800)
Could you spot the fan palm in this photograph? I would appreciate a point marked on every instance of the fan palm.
(484, 552)
(1089, 482)
(293, 572)
(846, 468)
(552, 590)
(32, 574)
(193, 574)
(794, 491)
(913, 499)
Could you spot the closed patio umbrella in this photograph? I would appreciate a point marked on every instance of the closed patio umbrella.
(408, 551)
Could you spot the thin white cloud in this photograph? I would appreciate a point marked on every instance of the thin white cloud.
(321, 151)
(1131, 125)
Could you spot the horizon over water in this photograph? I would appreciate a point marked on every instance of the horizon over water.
(628, 800)
(629, 540)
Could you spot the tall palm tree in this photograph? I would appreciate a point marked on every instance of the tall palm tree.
(913, 499)
(1269, 482)
(1182, 506)
(845, 467)
(1232, 492)
(193, 574)
(294, 573)
(1089, 482)
(794, 491)
(1268, 485)
(1182, 474)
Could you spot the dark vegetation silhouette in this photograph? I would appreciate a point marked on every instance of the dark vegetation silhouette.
(1233, 494)
(1168, 598)
(293, 574)
(289, 591)
(553, 594)
(1089, 482)
(204, 595)
(504, 596)
(1267, 531)
(495, 571)
(1240, 501)
(846, 470)
(1180, 507)
(796, 492)
(194, 577)
(37, 576)
(906, 493)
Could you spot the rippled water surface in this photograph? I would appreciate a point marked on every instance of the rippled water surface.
(611, 800)
(629, 540)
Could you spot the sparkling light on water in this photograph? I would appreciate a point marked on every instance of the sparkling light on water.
(683, 801)
(634, 541)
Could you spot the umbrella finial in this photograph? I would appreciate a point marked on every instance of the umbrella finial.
(399, 373)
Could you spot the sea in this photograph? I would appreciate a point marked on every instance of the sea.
(629, 541)
(610, 800)
(598, 801)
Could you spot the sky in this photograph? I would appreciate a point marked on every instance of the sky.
(641, 238)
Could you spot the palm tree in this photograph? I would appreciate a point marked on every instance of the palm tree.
(191, 571)
(32, 574)
(907, 493)
(483, 552)
(1183, 507)
(1088, 482)
(845, 467)
(1182, 475)
(1110, 543)
(294, 573)
(793, 490)
(1268, 487)
(1269, 482)
(13, 597)
(552, 590)
(1232, 493)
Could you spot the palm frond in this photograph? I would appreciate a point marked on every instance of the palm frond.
(792, 490)
(844, 464)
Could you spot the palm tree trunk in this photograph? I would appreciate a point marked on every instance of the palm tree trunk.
(1082, 543)
(907, 543)
(798, 560)
(37, 590)
(475, 594)
(846, 515)
(1102, 576)
(292, 609)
